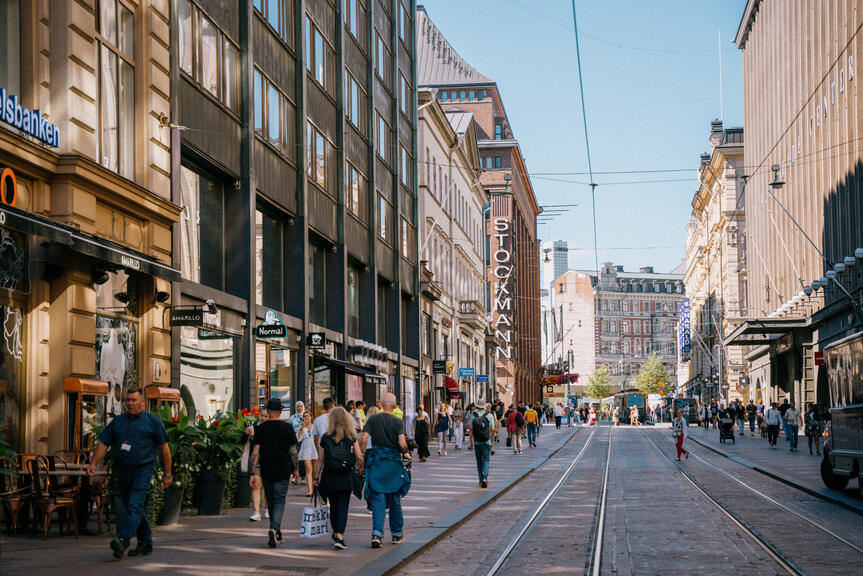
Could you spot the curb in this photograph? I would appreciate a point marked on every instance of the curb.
(405, 552)
(840, 500)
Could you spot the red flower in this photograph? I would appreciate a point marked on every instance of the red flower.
(175, 419)
(215, 423)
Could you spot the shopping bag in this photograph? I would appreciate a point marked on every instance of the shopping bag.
(316, 519)
(244, 460)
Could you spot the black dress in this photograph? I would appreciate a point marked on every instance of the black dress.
(421, 436)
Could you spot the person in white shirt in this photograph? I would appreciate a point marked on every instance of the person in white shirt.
(558, 415)
(792, 420)
(322, 422)
(773, 418)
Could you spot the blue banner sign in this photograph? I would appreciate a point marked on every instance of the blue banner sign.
(28, 121)
(482, 378)
(466, 372)
(684, 344)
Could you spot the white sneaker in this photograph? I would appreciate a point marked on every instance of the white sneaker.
(266, 515)
(255, 517)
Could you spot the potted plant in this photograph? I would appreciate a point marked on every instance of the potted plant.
(182, 436)
(218, 450)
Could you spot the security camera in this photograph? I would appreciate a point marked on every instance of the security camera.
(211, 306)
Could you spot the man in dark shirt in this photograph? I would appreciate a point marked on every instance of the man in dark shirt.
(386, 479)
(274, 440)
(134, 437)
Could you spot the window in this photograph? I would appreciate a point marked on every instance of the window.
(497, 162)
(319, 166)
(274, 115)
(407, 239)
(353, 301)
(405, 96)
(405, 167)
(355, 192)
(385, 219)
(426, 335)
(382, 311)
(202, 224)
(355, 103)
(461, 96)
(277, 13)
(472, 95)
(317, 285)
(208, 56)
(382, 60)
(488, 161)
(116, 51)
(269, 255)
(384, 137)
(444, 96)
(320, 58)
(10, 46)
(405, 26)
(355, 19)
(480, 95)
(498, 131)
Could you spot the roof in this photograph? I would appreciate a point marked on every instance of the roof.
(460, 121)
(732, 137)
(746, 23)
(438, 64)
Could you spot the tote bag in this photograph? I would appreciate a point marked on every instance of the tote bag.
(244, 460)
(316, 519)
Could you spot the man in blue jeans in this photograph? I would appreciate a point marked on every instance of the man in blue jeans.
(481, 438)
(386, 478)
(134, 436)
(274, 443)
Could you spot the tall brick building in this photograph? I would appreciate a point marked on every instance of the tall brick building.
(512, 292)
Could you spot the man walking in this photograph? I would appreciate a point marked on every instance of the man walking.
(296, 420)
(481, 426)
(322, 422)
(387, 481)
(750, 415)
(134, 437)
(773, 418)
(531, 419)
(782, 408)
(275, 442)
(558, 415)
(792, 424)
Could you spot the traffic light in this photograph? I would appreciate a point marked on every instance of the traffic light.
(661, 387)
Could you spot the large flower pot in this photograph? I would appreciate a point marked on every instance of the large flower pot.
(172, 505)
(211, 491)
(244, 492)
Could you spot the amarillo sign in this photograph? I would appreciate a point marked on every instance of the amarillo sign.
(502, 270)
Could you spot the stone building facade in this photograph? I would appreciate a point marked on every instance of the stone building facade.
(716, 268)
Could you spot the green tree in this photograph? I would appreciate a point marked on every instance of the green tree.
(598, 387)
(651, 374)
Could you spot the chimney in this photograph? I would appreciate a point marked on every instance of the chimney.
(619, 268)
(715, 132)
(646, 270)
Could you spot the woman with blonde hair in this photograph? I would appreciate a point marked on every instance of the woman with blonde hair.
(338, 455)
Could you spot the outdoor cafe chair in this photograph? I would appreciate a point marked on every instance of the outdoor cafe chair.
(13, 496)
(47, 501)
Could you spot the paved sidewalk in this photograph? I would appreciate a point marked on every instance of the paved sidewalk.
(795, 468)
(444, 489)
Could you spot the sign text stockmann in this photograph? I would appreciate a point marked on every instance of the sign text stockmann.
(502, 269)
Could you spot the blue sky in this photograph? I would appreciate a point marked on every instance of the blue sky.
(651, 88)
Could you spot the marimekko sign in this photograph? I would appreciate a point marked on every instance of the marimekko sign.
(502, 270)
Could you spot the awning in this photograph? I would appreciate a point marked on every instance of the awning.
(346, 366)
(34, 224)
(85, 386)
(764, 331)
(121, 256)
(162, 393)
(450, 383)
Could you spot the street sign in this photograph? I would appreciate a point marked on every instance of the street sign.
(466, 372)
(743, 381)
(439, 366)
(316, 341)
(482, 378)
(271, 327)
(819, 358)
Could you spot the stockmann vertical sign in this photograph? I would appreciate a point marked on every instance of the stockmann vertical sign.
(31, 122)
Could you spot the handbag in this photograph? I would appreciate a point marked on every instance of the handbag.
(509, 441)
(358, 482)
(244, 460)
(316, 519)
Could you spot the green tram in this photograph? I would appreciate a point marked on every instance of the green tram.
(626, 399)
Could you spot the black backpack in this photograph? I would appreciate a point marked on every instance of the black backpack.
(338, 457)
(480, 428)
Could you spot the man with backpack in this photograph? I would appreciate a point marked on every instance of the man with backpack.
(481, 426)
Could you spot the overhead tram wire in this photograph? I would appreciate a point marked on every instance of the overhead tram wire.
(586, 139)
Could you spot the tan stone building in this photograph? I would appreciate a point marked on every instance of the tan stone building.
(804, 219)
(716, 266)
(85, 263)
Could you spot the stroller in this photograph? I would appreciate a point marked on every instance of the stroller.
(726, 430)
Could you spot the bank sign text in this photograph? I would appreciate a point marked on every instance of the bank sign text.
(29, 121)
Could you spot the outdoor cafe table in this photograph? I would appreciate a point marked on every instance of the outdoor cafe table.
(82, 509)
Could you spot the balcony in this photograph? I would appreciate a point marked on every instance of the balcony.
(472, 313)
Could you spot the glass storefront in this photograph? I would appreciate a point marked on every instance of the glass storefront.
(11, 362)
(276, 370)
(208, 366)
(117, 336)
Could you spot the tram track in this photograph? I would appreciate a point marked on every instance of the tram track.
(594, 556)
(774, 547)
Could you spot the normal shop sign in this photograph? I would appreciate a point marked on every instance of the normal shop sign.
(29, 121)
